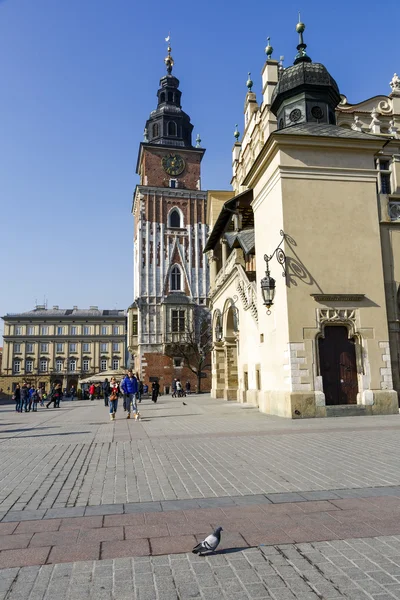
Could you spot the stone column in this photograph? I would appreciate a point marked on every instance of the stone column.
(224, 252)
(212, 261)
(218, 370)
(231, 370)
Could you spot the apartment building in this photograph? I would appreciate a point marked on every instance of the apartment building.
(51, 345)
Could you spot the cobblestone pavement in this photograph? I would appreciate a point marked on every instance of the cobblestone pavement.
(107, 511)
(367, 569)
(74, 457)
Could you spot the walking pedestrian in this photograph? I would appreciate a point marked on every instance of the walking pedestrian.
(40, 395)
(92, 391)
(106, 390)
(55, 396)
(129, 386)
(35, 399)
(113, 399)
(24, 397)
(59, 395)
(140, 390)
(72, 392)
(174, 388)
(187, 387)
(179, 388)
(155, 391)
(17, 398)
(31, 392)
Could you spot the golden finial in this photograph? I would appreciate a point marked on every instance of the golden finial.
(169, 61)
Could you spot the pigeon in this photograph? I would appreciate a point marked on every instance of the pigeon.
(184, 403)
(210, 544)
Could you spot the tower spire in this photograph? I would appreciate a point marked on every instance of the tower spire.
(169, 61)
(301, 55)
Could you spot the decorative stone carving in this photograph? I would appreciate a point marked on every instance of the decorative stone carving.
(394, 211)
(392, 128)
(384, 107)
(375, 126)
(248, 293)
(395, 84)
(347, 316)
(357, 125)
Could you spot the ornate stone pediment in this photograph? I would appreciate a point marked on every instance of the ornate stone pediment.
(338, 297)
(382, 104)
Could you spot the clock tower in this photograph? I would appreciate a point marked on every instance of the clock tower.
(169, 209)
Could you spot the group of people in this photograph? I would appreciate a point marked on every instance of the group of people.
(131, 388)
(27, 397)
(177, 389)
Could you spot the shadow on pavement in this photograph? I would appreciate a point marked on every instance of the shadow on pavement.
(169, 416)
(22, 429)
(51, 434)
(231, 550)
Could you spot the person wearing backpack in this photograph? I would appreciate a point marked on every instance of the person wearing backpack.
(106, 391)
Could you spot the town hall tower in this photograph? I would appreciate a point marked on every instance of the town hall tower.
(169, 210)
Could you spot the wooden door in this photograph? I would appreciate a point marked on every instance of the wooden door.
(338, 366)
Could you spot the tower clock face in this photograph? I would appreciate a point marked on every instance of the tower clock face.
(173, 164)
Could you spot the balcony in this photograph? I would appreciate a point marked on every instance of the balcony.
(235, 257)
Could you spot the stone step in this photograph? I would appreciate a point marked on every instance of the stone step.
(346, 410)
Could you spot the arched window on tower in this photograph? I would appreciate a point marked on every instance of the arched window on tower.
(155, 130)
(172, 128)
(170, 97)
(175, 279)
(175, 218)
(162, 97)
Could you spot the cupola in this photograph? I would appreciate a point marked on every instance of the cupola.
(306, 92)
(168, 124)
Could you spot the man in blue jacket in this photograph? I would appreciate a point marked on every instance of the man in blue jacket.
(130, 388)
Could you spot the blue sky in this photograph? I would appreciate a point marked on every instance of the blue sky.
(78, 80)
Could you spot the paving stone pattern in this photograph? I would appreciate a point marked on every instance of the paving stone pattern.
(109, 534)
(367, 569)
(73, 457)
(96, 510)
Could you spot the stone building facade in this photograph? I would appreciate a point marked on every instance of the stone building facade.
(315, 217)
(170, 270)
(53, 345)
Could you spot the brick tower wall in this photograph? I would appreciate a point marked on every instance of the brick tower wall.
(161, 366)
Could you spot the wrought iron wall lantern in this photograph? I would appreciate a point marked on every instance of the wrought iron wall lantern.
(268, 282)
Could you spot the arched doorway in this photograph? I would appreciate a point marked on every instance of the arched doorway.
(231, 354)
(338, 367)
